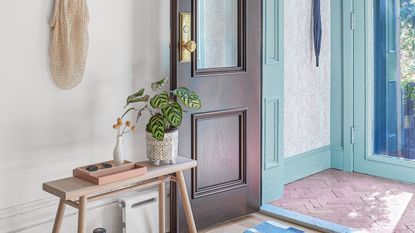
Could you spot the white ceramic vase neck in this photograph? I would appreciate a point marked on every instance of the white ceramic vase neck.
(118, 154)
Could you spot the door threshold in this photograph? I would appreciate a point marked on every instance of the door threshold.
(304, 220)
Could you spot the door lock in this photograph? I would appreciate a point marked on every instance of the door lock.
(187, 45)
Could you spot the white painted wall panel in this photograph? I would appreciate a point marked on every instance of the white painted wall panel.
(307, 88)
(46, 132)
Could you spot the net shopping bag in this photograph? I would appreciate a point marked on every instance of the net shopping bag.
(69, 42)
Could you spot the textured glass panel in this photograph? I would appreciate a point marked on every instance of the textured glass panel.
(217, 36)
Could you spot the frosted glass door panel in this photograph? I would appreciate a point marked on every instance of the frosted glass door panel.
(217, 33)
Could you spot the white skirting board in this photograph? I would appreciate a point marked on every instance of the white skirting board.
(37, 216)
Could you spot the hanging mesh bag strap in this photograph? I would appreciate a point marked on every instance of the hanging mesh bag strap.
(69, 42)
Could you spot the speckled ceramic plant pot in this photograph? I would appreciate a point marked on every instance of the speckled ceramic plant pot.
(165, 150)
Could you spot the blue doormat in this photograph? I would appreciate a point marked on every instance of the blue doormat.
(272, 227)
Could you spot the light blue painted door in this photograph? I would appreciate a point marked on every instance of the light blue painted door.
(379, 158)
(273, 100)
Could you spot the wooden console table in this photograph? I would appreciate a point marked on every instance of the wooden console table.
(76, 192)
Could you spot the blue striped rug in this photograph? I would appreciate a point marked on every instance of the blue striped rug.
(272, 227)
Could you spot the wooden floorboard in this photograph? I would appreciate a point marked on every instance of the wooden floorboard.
(244, 223)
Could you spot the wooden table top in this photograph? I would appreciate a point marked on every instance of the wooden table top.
(72, 188)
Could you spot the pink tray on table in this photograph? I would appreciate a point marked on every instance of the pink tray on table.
(108, 175)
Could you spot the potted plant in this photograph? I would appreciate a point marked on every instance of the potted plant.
(166, 116)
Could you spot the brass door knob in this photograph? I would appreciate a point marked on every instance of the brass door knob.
(190, 46)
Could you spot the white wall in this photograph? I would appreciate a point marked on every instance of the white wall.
(46, 132)
(151, 54)
(307, 88)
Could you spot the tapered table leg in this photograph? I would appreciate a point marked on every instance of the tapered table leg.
(59, 217)
(162, 206)
(82, 215)
(186, 203)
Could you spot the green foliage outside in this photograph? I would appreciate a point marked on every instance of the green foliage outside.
(407, 53)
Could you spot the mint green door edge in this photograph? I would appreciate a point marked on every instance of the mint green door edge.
(348, 82)
(341, 114)
(272, 181)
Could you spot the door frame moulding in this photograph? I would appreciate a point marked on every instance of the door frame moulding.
(364, 159)
(272, 183)
(342, 119)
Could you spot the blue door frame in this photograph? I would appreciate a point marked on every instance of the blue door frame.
(365, 161)
(342, 119)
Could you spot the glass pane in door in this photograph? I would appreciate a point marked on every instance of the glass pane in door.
(217, 33)
(394, 78)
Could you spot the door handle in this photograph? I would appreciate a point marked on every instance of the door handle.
(187, 45)
(190, 46)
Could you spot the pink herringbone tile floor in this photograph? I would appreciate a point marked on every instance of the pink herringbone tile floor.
(365, 203)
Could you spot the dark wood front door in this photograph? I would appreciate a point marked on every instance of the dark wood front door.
(224, 135)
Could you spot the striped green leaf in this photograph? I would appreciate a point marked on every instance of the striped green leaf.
(156, 127)
(159, 84)
(188, 98)
(159, 100)
(137, 97)
(167, 124)
(131, 99)
(173, 113)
